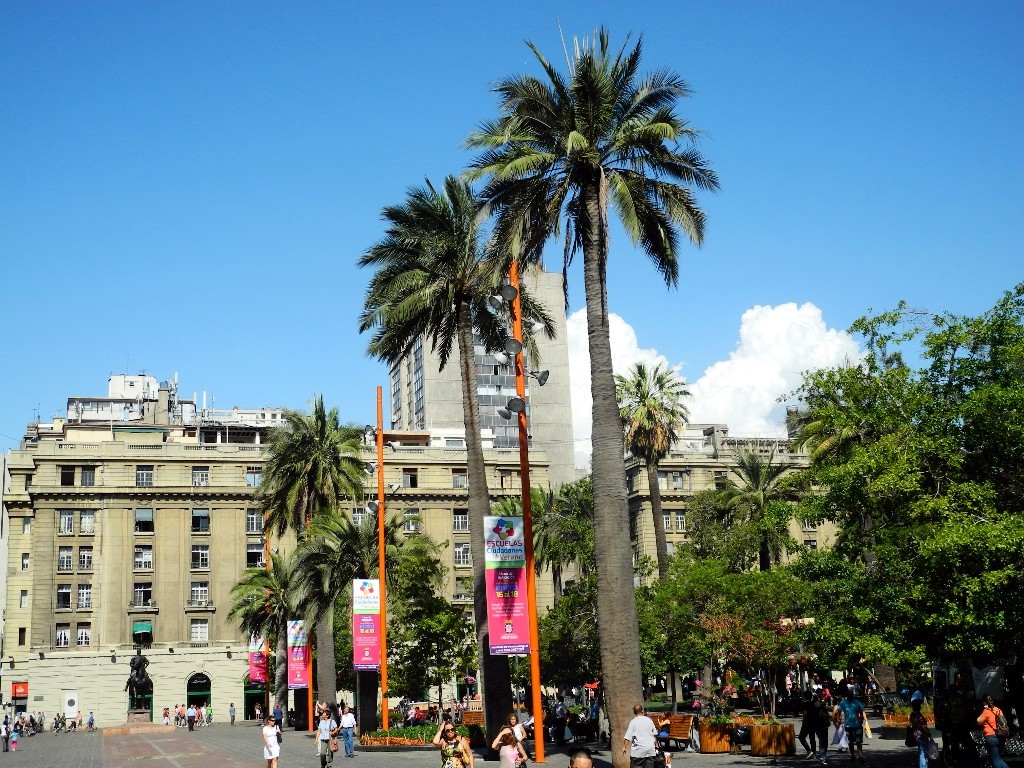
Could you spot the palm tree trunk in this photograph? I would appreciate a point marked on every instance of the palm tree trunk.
(326, 670)
(281, 668)
(616, 598)
(495, 681)
(660, 543)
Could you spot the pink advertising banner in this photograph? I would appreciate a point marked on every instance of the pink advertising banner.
(366, 624)
(257, 660)
(508, 622)
(298, 648)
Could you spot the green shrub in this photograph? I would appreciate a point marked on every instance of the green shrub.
(425, 732)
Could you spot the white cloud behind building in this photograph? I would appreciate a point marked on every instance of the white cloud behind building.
(776, 346)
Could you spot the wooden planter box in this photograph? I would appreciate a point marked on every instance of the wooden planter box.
(772, 739)
(901, 721)
(714, 738)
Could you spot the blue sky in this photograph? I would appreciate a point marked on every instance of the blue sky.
(186, 186)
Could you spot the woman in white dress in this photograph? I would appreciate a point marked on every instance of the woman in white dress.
(271, 747)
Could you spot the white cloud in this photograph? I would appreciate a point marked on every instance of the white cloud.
(776, 345)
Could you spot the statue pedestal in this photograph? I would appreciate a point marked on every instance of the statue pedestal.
(138, 716)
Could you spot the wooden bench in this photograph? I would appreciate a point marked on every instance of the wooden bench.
(680, 729)
(473, 717)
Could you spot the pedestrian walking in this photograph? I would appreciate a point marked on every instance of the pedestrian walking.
(641, 739)
(851, 712)
(348, 731)
(259, 713)
(167, 716)
(455, 750)
(920, 728)
(190, 717)
(580, 757)
(271, 741)
(231, 712)
(510, 752)
(14, 741)
(326, 732)
(90, 724)
(5, 735)
(993, 728)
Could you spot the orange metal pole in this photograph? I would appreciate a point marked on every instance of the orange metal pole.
(381, 573)
(524, 471)
(266, 640)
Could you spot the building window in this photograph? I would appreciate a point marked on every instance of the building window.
(680, 520)
(459, 478)
(200, 476)
(63, 596)
(22, 632)
(67, 475)
(358, 515)
(24, 599)
(26, 526)
(85, 595)
(88, 521)
(144, 476)
(85, 634)
(412, 520)
(62, 637)
(254, 556)
(454, 442)
(509, 479)
(24, 561)
(462, 557)
(810, 527)
(142, 593)
(199, 631)
(143, 520)
(65, 559)
(200, 556)
(143, 558)
(460, 521)
(200, 593)
(253, 521)
(410, 477)
(811, 543)
(85, 558)
(666, 518)
(88, 476)
(67, 521)
(200, 521)
(254, 476)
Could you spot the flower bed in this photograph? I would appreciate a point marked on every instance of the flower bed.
(413, 736)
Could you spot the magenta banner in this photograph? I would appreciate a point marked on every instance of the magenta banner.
(508, 621)
(298, 661)
(257, 660)
(366, 624)
(366, 641)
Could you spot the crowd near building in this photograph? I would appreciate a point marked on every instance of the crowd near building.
(127, 520)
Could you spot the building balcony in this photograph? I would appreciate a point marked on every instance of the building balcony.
(200, 605)
(143, 606)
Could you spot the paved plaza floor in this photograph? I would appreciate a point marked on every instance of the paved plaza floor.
(224, 746)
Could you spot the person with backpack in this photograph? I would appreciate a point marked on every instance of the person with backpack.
(994, 728)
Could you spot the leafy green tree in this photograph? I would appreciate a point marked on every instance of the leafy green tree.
(432, 281)
(432, 642)
(262, 602)
(652, 411)
(313, 464)
(924, 484)
(606, 135)
(711, 535)
(759, 493)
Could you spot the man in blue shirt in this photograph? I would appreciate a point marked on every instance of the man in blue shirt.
(852, 712)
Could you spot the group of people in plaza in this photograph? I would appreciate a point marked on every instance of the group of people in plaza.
(15, 728)
(333, 721)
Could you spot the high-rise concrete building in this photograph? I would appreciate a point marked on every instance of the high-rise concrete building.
(425, 398)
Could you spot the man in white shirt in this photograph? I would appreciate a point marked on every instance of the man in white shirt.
(641, 739)
(348, 731)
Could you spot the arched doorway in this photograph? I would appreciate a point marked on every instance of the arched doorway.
(197, 690)
(253, 694)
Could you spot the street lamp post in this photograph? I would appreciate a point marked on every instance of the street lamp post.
(524, 470)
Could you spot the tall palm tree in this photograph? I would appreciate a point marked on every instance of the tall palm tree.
(604, 135)
(652, 412)
(263, 601)
(337, 551)
(314, 464)
(758, 493)
(432, 282)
